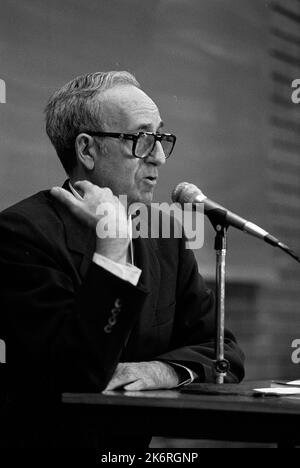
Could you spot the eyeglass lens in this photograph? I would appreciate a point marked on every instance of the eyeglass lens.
(145, 144)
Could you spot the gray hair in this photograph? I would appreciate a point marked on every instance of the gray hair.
(73, 109)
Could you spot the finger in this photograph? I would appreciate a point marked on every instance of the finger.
(90, 189)
(84, 185)
(64, 196)
(118, 382)
(73, 204)
(106, 191)
(135, 386)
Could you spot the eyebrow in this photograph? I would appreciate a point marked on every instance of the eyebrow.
(146, 127)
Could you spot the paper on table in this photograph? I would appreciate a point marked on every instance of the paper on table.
(279, 383)
(278, 391)
(294, 382)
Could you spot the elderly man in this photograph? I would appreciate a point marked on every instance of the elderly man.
(81, 311)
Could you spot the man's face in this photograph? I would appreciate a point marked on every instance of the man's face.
(127, 109)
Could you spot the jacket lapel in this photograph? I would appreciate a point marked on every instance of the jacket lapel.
(141, 337)
(145, 253)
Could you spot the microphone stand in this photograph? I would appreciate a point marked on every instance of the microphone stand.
(221, 364)
(218, 220)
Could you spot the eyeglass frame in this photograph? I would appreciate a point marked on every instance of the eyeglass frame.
(134, 137)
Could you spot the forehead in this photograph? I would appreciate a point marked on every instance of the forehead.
(129, 108)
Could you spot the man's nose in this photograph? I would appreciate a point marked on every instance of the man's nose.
(157, 156)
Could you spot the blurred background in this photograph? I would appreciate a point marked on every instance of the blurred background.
(221, 73)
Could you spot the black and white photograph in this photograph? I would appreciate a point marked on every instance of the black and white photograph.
(149, 227)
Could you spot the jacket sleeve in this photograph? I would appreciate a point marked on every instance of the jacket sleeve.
(59, 336)
(193, 337)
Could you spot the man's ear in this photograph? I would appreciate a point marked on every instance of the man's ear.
(86, 151)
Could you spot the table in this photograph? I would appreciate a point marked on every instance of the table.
(232, 414)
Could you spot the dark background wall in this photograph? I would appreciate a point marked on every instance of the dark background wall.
(220, 71)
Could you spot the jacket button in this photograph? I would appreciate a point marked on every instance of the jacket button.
(107, 329)
(115, 312)
(118, 303)
(112, 321)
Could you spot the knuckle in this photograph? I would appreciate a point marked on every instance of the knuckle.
(105, 190)
(86, 182)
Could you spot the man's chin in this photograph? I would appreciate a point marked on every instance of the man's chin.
(145, 198)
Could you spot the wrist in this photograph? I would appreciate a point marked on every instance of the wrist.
(120, 259)
(169, 372)
(112, 249)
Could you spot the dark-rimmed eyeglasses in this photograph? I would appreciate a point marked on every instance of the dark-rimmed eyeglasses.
(143, 142)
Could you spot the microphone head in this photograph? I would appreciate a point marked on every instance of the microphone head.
(187, 193)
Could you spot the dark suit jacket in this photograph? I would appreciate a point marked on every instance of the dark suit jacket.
(56, 305)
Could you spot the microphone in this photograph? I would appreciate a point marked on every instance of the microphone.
(189, 193)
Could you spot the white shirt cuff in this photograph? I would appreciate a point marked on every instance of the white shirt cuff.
(126, 272)
(192, 374)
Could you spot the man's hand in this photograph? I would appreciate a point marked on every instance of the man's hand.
(133, 376)
(104, 213)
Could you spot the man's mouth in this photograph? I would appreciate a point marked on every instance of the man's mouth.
(151, 179)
